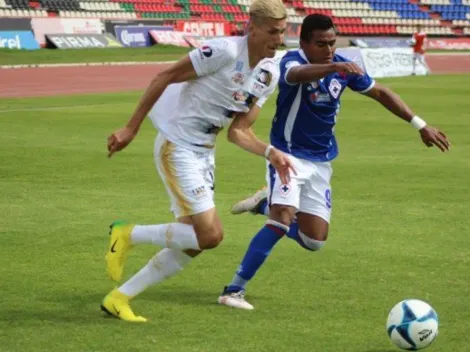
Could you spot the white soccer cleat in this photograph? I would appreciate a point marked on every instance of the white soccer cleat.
(250, 204)
(235, 300)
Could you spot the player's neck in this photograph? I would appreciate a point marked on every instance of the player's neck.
(255, 53)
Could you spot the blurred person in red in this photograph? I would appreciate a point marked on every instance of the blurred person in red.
(418, 43)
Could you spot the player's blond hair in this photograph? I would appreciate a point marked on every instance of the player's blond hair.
(261, 9)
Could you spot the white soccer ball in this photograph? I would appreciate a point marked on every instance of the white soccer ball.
(412, 324)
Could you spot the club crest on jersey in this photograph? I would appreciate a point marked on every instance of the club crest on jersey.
(285, 189)
(335, 88)
(206, 51)
(238, 78)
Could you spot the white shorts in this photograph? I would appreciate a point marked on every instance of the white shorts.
(188, 176)
(309, 191)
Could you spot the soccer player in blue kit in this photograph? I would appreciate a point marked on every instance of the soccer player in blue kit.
(310, 87)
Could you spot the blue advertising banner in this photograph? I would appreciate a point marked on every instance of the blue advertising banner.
(18, 40)
(137, 36)
(381, 42)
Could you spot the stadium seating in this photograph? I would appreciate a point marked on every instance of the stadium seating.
(352, 17)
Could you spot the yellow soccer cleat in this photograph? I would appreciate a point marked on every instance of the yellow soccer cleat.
(119, 246)
(117, 305)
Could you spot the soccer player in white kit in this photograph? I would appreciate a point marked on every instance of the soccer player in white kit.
(223, 83)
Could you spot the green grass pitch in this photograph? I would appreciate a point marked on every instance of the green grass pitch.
(400, 230)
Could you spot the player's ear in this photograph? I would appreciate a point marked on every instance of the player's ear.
(249, 27)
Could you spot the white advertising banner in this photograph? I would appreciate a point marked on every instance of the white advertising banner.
(390, 62)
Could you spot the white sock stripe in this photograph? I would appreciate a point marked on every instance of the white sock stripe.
(314, 245)
(283, 227)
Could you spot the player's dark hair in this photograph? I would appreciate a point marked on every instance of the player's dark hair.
(314, 22)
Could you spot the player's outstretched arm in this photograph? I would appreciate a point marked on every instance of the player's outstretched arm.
(313, 72)
(181, 71)
(392, 101)
(241, 134)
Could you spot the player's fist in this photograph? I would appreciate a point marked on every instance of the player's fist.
(432, 136)
(282, 163)
(119, 140)
(349, 68)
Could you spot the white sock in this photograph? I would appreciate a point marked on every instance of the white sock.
(163, 265)
(314, 245)
(175, 235)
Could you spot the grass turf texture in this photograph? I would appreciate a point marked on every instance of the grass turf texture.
(400, 230)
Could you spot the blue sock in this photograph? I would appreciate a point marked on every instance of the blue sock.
(294, 235)
(257, 252)
(262, 208)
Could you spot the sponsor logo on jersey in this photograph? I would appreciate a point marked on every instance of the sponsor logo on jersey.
(244, 97)
(317, 97)
(264, 77)
(239, 66)
(258, 88)
(199, 191)
(238, 78)
(206, 51)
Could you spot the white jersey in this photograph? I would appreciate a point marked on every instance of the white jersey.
(191, 114)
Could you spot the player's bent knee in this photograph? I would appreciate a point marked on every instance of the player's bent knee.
(312, 244)
(211, 239)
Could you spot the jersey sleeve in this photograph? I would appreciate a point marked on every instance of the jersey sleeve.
(361, 83)
(286, 64)
(265, 97)
(212, 56)
(269, 76)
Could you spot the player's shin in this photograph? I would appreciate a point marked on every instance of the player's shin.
(174, 235)
(258, 250)
(163, 265)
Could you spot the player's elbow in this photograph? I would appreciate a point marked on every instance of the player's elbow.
(234, 135)
(165, 77)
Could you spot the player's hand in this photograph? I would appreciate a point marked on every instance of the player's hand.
(432, 136)
(119, 140)
(349, 68)
(283, 165)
